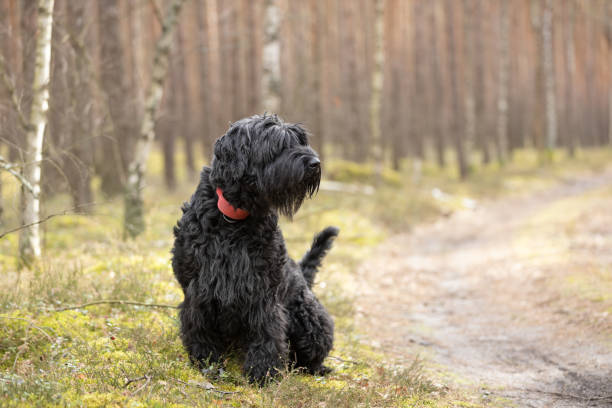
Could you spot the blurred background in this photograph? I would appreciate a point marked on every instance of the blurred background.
(464, 81)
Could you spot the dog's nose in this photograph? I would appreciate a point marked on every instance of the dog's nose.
(314, 162)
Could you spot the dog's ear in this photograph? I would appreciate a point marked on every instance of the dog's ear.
(231, 156)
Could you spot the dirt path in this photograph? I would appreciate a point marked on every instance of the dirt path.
(473, 296)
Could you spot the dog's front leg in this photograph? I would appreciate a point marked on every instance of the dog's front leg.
(201, 341)
(267, 347)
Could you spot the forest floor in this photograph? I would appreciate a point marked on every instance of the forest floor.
(511, 300)
(460, 258)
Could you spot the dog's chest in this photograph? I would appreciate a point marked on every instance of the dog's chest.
(242, 269)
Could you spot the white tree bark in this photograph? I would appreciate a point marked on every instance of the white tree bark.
(29, 238)
(133, 212)
(377, 85)
(549, 75)
(271, 76)
(503, 78)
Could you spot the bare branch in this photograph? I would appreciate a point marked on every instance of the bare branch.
(207, 387)
(8, 166)
(347, 361)
(47, 218)
(133, 380)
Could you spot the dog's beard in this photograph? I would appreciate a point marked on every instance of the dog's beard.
(287, 198)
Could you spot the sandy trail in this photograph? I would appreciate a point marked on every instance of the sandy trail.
(469, 294)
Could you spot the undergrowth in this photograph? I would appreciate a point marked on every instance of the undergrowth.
(131, 355)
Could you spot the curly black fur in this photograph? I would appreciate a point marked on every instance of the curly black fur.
(241, 288)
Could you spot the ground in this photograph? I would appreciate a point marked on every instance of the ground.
(512, 299)
(413, 343)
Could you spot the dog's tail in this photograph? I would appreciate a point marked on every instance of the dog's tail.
(311, 261)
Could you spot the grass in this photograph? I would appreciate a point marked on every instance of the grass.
(120, 355)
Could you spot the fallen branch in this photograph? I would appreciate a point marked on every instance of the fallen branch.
(112, 302)
(347, 361)
(31, 323)
(134, 380)
(208, 387)
(143, 386)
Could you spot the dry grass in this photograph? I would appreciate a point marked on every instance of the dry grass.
(120, 355)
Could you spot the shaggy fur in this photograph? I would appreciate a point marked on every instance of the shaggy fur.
(241, 288)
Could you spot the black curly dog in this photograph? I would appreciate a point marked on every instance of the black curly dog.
(242, 291)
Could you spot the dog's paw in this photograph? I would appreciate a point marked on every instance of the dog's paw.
(322, 370)
(262, 376)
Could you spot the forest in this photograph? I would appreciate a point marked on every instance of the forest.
(420, 111)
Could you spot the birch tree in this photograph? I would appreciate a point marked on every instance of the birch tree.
(133, 211)
(29, 238)
(271, 78)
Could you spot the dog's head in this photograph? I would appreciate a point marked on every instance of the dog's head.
(262, 163)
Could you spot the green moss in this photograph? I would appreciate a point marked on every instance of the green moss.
(85, 357)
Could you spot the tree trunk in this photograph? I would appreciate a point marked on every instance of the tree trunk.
(11, 131)
(78, 165)
(454, 98)
(609, 40)
(254, 46)
(377, 84)
(316, 123)
(182, 106)
(437, 107)
(216, 123)
(468, 62)
(549, 75)
(538, 113)
(114, 80)
(134, 213)
(503, 78)
(204, 91)
(588, 132)
(480, 84)
(271, 78)
(418, 92)
(570, 72)
(29, 239)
